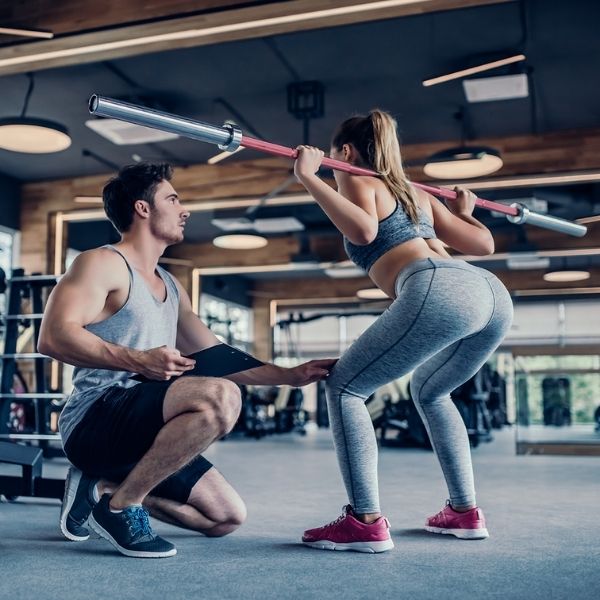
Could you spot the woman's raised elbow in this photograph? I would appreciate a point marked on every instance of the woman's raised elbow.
(363, 236)
(486, 246)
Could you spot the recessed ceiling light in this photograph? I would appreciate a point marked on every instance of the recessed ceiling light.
(371, 294)
(240, 242)
(88, 199)
(527, 262)
(344, 272)
(562, 276)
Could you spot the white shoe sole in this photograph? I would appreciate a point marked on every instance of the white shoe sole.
(132, 553)
(369, 547)
(71, 486)
(463, 534)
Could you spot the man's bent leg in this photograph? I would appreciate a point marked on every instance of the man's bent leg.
(213, 507)
(197, 411)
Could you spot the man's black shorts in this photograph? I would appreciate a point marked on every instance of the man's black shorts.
(118, 429)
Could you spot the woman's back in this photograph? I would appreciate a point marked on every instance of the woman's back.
(399, 241)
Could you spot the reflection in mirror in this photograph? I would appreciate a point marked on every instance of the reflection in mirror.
(226, 308)
(558, 399)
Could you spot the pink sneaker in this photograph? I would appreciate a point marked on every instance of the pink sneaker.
(468, 525)
(348, 533)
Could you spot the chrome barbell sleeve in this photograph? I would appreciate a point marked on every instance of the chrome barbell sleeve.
(546, 221)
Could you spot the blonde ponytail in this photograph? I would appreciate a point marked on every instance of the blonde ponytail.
(387, 161)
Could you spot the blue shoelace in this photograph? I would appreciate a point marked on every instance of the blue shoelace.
(138, 521)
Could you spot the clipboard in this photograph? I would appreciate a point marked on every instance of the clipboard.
(216, 361)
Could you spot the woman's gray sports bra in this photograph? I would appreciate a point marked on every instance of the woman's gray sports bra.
(393, 231)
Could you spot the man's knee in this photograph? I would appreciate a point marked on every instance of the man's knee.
(235, 515)
(228, 405)
(217, 402)
(222, 405)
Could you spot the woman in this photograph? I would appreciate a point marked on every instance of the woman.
(445, 320)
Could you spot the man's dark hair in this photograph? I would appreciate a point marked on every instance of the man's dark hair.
(134, 182)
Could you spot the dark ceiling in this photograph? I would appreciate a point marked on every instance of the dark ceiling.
(380, 63)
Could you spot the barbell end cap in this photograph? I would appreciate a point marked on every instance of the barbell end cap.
(236, 137)
(93, 103)
(520, 218)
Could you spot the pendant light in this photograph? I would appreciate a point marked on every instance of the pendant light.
(32, 135)
(464, 161)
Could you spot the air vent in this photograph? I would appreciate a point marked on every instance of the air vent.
(127, 134)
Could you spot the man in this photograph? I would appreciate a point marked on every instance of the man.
(137, 446)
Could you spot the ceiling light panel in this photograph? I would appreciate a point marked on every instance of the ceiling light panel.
(527, 262)
(488, 89)
(126, 134)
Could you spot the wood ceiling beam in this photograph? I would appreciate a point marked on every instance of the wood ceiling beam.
(73, 16)
(274, 18)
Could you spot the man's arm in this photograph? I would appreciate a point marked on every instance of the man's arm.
(77, 300)
(270, 374)
(193, 335)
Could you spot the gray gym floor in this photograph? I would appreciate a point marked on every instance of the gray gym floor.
(542, 514)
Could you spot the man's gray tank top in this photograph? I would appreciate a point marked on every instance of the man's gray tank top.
(143, 322)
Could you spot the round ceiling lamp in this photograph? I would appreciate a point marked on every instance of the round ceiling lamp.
(371, 294)
(240, 242)
(33, 136)
(564, 276)
(463, 162)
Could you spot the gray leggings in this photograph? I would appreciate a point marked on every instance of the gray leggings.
(448, 317)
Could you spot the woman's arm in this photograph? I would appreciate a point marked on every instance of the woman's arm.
(354, 214)
(456, 226)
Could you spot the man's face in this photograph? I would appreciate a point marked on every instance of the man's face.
(168, 217)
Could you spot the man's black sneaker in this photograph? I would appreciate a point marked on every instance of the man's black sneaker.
(129, 531)
(77, 505)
